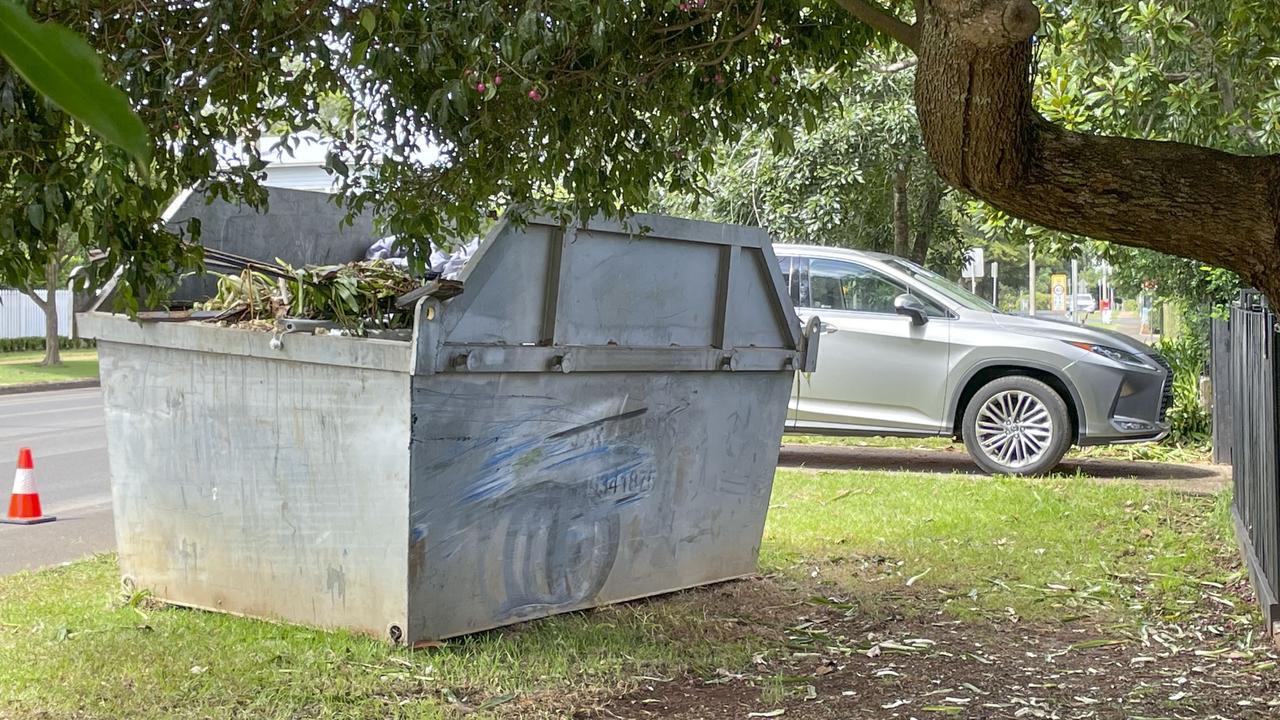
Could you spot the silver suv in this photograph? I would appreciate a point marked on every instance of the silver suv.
(906, 352)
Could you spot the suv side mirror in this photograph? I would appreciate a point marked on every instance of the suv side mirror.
(910, 305)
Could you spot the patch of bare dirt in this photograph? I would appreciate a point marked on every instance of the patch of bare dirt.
(829, 659)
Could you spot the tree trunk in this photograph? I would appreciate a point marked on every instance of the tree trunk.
(927, 222)
(52, 354)
(974, 101)
(901, 209)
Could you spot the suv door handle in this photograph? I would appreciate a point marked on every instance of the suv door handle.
(824, 328)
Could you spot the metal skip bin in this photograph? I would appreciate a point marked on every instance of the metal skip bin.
(595, 418)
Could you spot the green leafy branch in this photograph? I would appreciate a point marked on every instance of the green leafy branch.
(62, 67)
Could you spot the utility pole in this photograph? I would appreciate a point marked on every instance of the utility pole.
(1104, 306)
(1072, 305)
(1031, 276)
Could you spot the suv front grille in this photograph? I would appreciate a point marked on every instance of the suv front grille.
(1166, 393)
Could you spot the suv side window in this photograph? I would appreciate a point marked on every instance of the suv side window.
(847, 286)
(791, 277)
(840, 285)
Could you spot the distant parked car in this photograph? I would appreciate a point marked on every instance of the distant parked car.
(906, 352)
(1085, 303)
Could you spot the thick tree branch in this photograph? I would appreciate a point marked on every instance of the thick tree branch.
(52, 270)
(1181, 199)
(998, 23)
(881, 20)
(29, 292)
(901, 208)
(927, 221)
(973, 96)
(896, 67)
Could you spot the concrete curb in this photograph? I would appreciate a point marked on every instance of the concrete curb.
(49, 386)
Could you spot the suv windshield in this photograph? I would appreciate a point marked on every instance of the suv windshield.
(942, 285)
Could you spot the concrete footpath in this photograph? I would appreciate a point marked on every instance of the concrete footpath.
(49, 386)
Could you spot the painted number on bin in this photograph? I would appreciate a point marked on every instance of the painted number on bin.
(624, 485)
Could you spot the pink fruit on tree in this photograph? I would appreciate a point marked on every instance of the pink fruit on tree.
(535, 95)
(481, 87)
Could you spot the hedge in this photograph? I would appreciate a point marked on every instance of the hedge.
(29, 344)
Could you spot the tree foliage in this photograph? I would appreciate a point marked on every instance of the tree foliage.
(458, 108)
(204, 78)
(835, 184)
(585, 102)
(63, 68)
(1200, 72)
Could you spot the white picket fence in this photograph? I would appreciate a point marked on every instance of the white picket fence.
(20, 317)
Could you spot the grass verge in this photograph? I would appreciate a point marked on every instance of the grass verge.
(22, 368)
(965, 550)
(1148, 452)
(1038, 549)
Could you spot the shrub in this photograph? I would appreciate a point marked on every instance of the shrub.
(1190, 423)
(32, 344)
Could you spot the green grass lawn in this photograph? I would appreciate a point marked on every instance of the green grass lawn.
(1041, 548)
(22, 368)
(1154, 452)
(962, 549)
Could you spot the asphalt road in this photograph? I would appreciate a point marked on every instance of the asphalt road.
(1126, 322)
(64, 430)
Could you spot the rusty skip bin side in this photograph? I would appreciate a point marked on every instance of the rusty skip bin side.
(595, 418)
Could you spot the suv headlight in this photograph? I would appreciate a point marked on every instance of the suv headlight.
(1124, 357)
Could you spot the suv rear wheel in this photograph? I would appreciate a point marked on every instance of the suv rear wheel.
(1016, 426)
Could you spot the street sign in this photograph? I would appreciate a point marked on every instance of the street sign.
(1058, 292)
(975, 264)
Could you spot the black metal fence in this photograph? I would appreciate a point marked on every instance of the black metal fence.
(1245, 372)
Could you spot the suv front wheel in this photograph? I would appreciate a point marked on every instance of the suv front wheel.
(1016, 426)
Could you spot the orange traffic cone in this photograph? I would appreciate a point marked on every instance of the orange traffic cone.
(24, 504)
